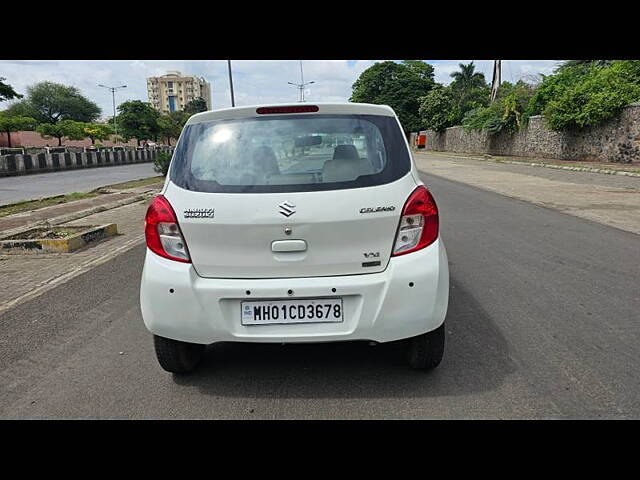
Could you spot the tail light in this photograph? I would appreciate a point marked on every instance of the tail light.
(162, 231)
(419, 223)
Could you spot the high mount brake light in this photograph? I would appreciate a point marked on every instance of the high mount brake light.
(419, 223)
(290, 109)
(162, 232)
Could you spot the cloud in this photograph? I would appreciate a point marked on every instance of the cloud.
(254, 81)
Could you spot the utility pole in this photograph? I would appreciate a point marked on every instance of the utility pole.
(113, 95)
(301, 85)
(233, 102)
(497, 76)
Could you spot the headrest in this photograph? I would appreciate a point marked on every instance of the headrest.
(263, 153)
(265, 158)
(346, 152)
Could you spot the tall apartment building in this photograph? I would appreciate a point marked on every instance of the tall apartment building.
(174, 90)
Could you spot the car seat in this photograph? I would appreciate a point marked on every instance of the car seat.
(346, 165)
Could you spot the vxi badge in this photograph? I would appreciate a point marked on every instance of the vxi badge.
(198, 213)
(377, 209)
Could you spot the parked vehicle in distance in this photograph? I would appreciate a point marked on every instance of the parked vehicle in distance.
(293, 224)
(421, 139)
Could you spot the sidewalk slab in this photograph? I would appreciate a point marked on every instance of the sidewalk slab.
(19, 221)
(11, 222)
(615, 206)
(609, 168)
(23, 277)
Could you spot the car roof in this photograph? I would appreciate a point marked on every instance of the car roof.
(344, 108)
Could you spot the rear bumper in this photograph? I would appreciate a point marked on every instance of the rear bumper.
(381, 307)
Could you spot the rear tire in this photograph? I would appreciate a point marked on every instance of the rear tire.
(425, 351)
(176, 356)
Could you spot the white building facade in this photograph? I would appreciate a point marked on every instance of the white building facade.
(171, 92)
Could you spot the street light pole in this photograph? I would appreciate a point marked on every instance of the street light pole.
(233, 103)
(497, 79)
(115, 125)
(301, 85)
(113, 95)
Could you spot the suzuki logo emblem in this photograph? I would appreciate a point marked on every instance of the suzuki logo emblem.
(287, 209)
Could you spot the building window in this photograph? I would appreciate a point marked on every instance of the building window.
(172, 104)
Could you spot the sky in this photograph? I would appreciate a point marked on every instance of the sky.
(254, 81)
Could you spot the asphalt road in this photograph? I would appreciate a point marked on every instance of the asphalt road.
(27, 187)
(542, 323)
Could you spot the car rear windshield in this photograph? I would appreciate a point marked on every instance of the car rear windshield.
(290, 153)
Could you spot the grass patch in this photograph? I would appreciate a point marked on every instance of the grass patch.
(27, 205)
(135, 183)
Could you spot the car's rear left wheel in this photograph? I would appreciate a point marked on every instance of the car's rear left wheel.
(425, 351)
(176, 356)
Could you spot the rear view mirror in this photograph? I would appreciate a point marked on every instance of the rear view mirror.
(308, 141)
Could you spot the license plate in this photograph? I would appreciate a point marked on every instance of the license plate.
(313, 310)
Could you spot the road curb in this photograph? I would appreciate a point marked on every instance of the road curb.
(69, 244)
(605, 171)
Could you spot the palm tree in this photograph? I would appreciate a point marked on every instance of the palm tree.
(467, 78)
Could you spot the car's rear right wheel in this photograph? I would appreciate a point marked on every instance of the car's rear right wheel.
(425, 351)
(176, 356)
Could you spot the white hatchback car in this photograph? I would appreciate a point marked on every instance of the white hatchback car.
(290, 224)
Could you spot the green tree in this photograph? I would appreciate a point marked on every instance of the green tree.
(64, 128)
(552, 86)
(18, 109)
(138, 120)
(196, 105)
(423, 71)
(467, 78)
(445, 107)
(97, 131)
(582, 64)
(50, 102)
(399, 85)
(7, 92)
(514, 103)
(170, 124)
(582, 96)
(10, 124)
(162, 162)
(507, 113)
(51, 130)
(470, 89)
(438, 109)
(484, 118)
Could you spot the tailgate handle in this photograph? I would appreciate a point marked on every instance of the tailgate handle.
(288, 246)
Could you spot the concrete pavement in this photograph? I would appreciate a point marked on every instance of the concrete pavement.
(608, 199)
(543, 323)
(25, 276)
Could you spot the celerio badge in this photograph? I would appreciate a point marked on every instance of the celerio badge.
(390, 208)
